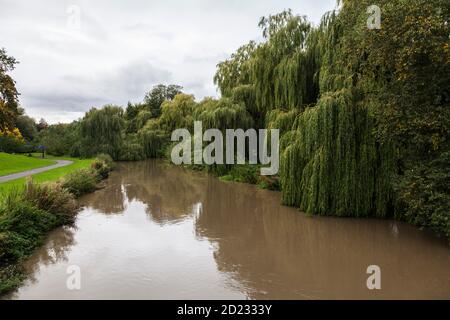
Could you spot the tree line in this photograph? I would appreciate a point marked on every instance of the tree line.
(364, 114)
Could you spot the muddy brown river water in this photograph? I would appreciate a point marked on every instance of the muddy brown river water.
(161, 232)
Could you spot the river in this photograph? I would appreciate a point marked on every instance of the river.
(158, 231)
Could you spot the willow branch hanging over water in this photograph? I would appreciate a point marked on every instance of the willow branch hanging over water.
(335, 165)
(352, 107)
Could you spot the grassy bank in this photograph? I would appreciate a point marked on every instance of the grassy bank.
(12, 163)
(29, 211)
(48, 176)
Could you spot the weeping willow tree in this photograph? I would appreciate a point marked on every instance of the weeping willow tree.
(154, 133)
(153, 140)
(335, 166)
(285, 68)
(303, 83)
(332, 162)
(281, 72)
(176, 113)
(233, 78)
(222, 114)
(235, 71)
(101, 131)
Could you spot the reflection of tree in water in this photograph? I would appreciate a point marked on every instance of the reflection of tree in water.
(277, 252)
(109, 200)
(169, 192)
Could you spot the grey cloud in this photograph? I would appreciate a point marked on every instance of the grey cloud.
(57, 101)
(136, 78)
(125, 47)
(78, 93)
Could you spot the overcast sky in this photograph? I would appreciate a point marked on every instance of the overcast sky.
(78, 54)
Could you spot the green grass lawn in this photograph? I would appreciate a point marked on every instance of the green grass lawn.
(11, 163)
(48, 176)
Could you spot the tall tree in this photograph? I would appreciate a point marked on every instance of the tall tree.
(42, 125)
(160, 93)
(8, 92)
(27, 127)
(101, 131)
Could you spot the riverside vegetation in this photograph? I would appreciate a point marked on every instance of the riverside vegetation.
(28, 214)
(363, 114)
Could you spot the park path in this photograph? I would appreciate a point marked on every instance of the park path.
(14, 176)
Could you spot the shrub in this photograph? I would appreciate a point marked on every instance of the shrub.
(239, 173)
(22, 226)
(101, 169)
(80, 182)
(424, 195)
(52, 198)
(10, 277)
(107, 159)
(245, 173)
(269, 182)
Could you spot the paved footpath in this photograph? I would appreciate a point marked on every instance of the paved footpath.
(14, 176)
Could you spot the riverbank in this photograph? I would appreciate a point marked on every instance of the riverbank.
(28, 212)
(47, 176)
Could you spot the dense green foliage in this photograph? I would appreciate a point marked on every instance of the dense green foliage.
(27, 127)
(363, 113)
(59, 139)
(8, 93)
(335, 165)
(80, 182)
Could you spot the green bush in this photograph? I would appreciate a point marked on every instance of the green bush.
(52, 198)
(10, 145)
(102, 166)
(241, 173)
(80, 182)
(22, 227)
(424, 195)
(101, 169)
(107, 159)
(11, 277)
(269, 182)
